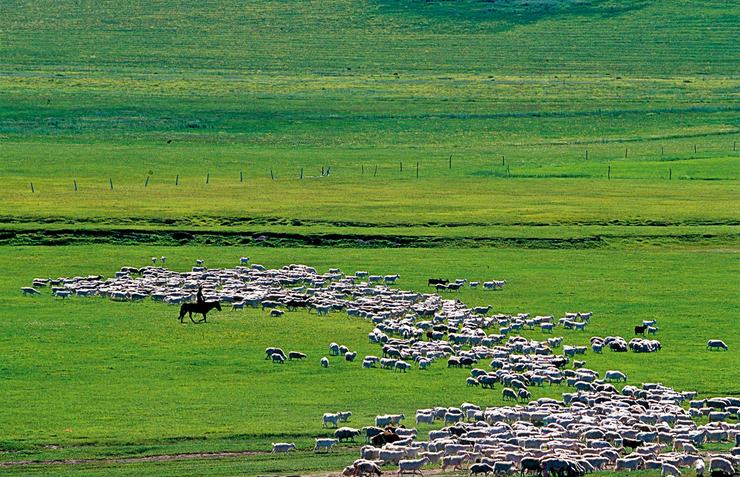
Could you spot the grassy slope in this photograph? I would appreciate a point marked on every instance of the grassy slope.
(96, 92)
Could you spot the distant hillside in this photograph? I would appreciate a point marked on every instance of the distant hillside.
(618, 37)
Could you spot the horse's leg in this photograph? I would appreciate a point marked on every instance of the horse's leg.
(191, 317)
(204, 318)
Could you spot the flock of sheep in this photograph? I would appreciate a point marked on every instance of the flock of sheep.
(588, 430)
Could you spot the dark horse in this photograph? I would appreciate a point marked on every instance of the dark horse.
(202, 308)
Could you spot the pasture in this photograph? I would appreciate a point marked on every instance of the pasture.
(584, 151)
(103, 379)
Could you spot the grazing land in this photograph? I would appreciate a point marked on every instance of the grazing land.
(584, 151)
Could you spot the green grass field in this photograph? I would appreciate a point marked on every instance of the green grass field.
(583, 150)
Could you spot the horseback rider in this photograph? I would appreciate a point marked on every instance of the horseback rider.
(199, 296)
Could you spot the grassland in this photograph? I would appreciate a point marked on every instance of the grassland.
(584, 150)
(101, 379)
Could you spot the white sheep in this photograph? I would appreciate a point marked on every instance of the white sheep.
(411, 466)
(285, 447)
(330, 418)
(324, 443)
(324, 362)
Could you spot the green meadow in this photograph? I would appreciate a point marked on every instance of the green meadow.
(583, 150)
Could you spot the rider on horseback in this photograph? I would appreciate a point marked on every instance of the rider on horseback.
(199, 296)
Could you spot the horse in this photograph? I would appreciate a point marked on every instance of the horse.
(202, 308)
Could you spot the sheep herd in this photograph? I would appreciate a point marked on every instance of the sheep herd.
(638, 428)
(590, 429)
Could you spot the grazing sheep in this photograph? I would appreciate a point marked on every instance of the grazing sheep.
(324, 362)
(424, 418)
(278, 358)
(324, 443)
(722, 464)
(334, 349)
(716, 344)
(330, 418)
(346, 433)
(391, 456)
(285, 447)
(480, 468)
(454, 461)
(344, 415)
(631, 463)
(699, 467)
(503, 467)
(509, 394)
(296, 355)
(613, 375)
(411, 466)
(276, 313)
(30, 291)
(669, 470)
(524, 395)
(402, 366)
(350, 355)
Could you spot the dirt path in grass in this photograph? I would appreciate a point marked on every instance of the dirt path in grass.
(131, 460)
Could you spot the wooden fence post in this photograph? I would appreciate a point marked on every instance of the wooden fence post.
(241, 176)
(417, 169)
(450, 161)
(609, 172)
(75, 183)
(33, 191)
(110, 179)
(146, 182)
(272, 176)
(177, 179)
(670, 173)
(301, 173)
(208, 177)
(376, 171)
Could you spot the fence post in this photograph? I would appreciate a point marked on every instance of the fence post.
(417, 169)
(450, 161)
(362, 168)
(661, 150)
(110, 179)
(272, 176)
(301, 173)
(241, 176)
(177, 179)
(208, 177)
(503, 160)
(694, 148)
(75, 183)
(670, 173)
(146, 182)
(587, 154)
(609, 172)
(625, 153)
(33, 191)
(376, 171)
(400, 166)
